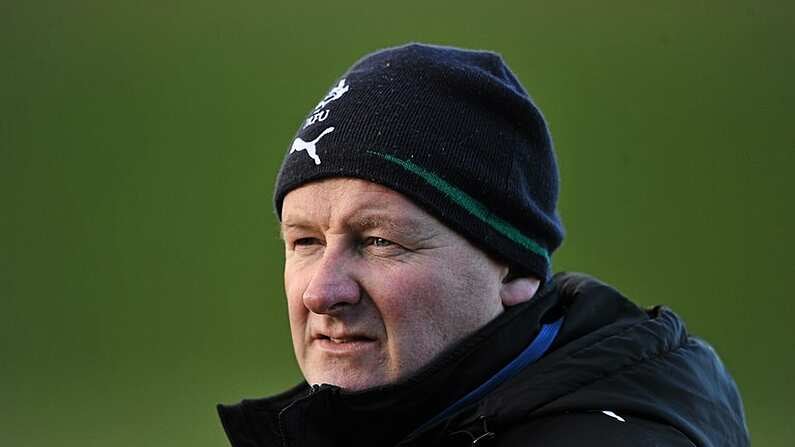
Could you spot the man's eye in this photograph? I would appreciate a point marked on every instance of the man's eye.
(305, 241)
(378, 242)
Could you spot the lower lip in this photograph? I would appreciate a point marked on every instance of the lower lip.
(349, 347)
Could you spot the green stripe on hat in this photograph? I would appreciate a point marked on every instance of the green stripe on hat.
(470, 204)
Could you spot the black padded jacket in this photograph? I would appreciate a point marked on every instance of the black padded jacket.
(615, 375)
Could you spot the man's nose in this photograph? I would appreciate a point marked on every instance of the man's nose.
(332, 286)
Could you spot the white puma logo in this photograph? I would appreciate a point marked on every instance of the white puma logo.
(334, 94)
(309, 146)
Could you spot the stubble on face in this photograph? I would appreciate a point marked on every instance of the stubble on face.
(377, 287)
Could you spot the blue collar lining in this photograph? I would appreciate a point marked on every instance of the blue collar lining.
(533, 352)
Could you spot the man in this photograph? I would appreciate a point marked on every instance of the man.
(417, 206)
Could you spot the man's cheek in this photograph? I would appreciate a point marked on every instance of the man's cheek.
(295, 284)
(410, 299)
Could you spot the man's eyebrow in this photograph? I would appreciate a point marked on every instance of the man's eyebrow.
(390, 223)
(291, 225)
(368, 221)
(294, 224)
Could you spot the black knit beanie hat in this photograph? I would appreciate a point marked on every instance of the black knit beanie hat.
(451, 129)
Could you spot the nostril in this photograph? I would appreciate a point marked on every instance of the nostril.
(338, 305)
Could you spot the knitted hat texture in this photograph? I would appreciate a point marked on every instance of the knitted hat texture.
(451, 129)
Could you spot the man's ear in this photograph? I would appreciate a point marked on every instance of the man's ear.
(518, 290)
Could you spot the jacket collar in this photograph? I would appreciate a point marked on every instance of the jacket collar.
(326, 415)
(611, 354)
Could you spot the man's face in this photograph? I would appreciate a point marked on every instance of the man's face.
(376, 287)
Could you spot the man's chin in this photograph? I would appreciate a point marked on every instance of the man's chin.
(351, 380)
(352, 372)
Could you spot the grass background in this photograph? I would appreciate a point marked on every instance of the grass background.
(140, 266)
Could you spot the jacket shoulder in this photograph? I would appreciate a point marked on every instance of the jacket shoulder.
(598, 428)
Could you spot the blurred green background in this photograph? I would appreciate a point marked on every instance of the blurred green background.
(140, 264)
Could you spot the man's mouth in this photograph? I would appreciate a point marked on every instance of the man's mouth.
(345, 339)
(344, 344)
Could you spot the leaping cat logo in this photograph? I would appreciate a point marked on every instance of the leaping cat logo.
(310, 146)
(334, 94)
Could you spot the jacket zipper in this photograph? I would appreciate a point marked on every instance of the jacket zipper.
(477, 439)
(282, 429)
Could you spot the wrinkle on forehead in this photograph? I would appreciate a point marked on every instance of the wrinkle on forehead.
(353, 204)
